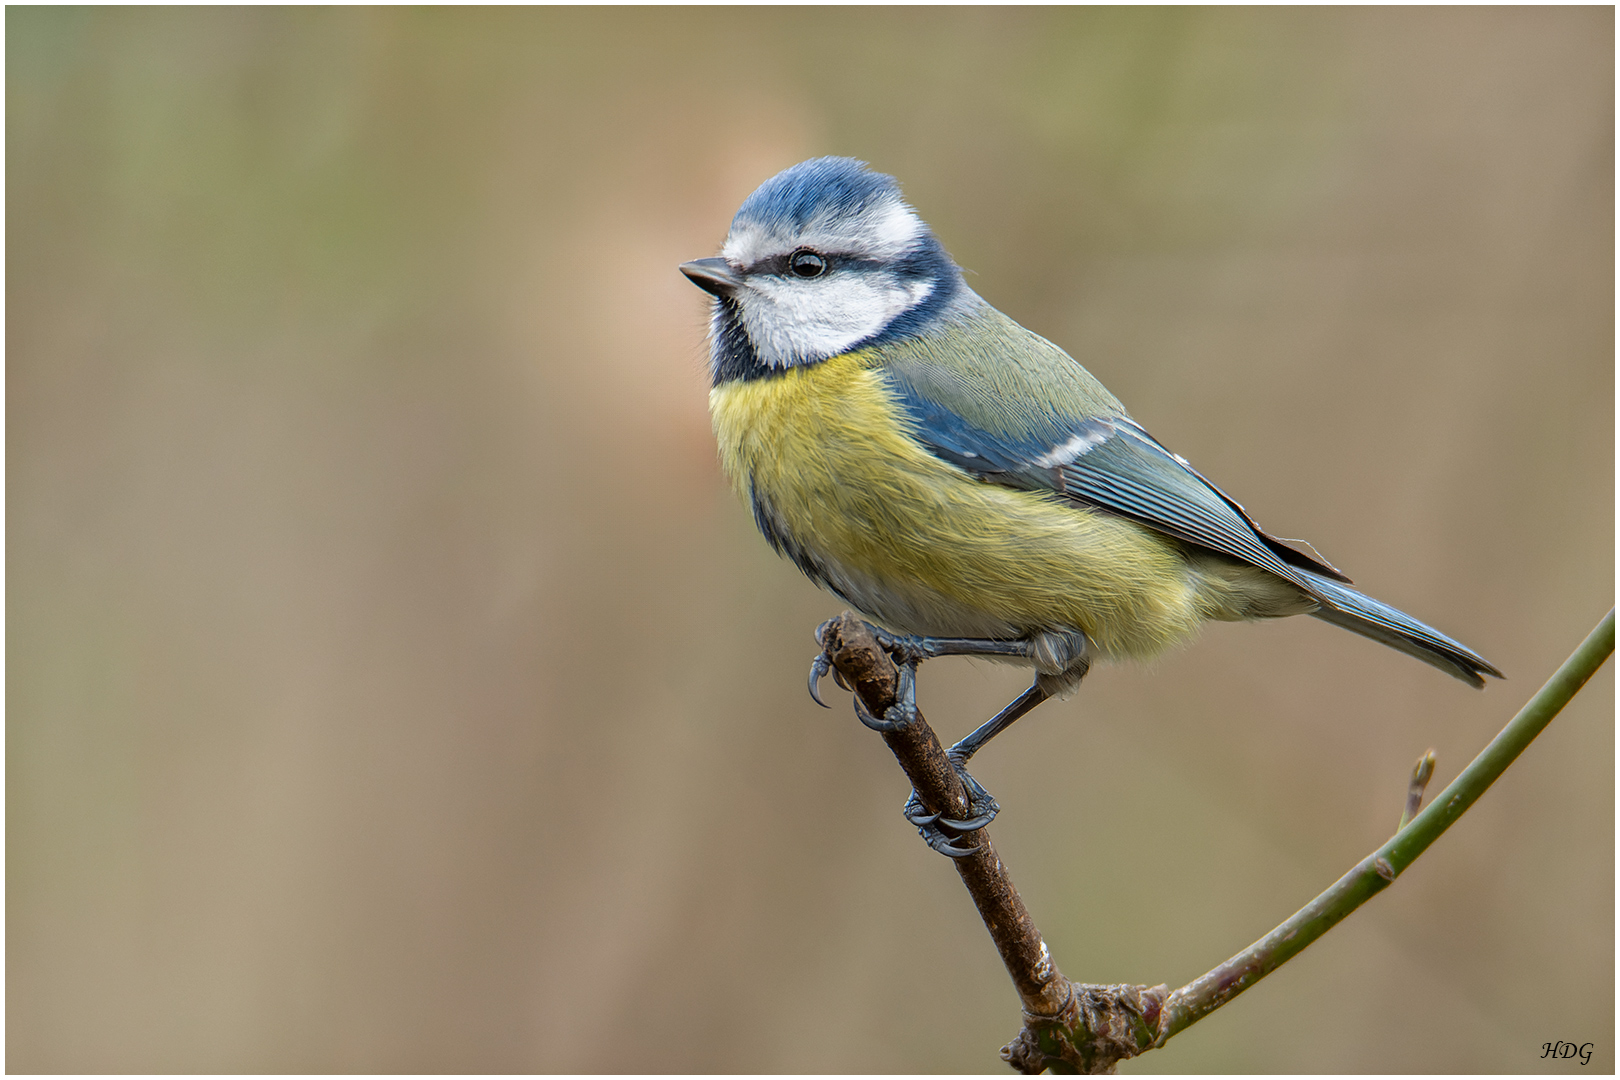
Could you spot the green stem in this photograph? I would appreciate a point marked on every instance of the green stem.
(1374, 873)
(1482, 772)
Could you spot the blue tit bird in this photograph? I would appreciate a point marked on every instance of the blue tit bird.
(963, 482)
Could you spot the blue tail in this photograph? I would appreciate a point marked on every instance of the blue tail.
(1369, 618)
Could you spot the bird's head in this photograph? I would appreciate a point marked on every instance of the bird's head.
(824, 257)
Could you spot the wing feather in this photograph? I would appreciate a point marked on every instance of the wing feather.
(1108, 462)
(996, 419)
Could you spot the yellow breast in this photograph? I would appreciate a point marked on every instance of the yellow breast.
(826, 456)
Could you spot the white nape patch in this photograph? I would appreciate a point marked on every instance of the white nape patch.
(1087, 440)
(882, 231)
(795, 321)
(889, 228)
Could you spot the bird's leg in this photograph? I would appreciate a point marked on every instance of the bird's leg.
(982, 807)
(909, 651)
(974, 742)
(910, 647)
(906, 648)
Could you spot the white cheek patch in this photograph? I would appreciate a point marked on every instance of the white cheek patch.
(794, 321)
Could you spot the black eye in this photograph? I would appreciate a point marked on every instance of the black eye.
(806, 263)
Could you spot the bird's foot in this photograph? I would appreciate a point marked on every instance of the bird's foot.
(904, 709)
(945, 835)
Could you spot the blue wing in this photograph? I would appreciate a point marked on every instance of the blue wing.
(1110, 463)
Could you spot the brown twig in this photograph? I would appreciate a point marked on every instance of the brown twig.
(1082, 1028)
(1088, 1028)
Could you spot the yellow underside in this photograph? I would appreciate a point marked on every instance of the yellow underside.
(925, 548)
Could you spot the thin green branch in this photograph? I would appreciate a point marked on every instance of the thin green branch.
(1374, 873)
(1482, 772)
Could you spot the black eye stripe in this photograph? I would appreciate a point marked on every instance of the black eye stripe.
(782, 264)
(776, 264)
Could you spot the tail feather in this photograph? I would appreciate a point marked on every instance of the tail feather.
(1363, 615)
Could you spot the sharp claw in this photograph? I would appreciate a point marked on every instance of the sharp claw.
(936, 838)
(915, 812)
(886, 724)
(971, 823)
(867, 718)
(942, 844)
(818, 670)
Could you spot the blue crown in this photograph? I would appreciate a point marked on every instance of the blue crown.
(821, 187)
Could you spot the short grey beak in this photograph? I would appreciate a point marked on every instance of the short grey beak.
(712, 276)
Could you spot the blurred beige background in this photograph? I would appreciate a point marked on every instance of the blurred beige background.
(394, 684)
